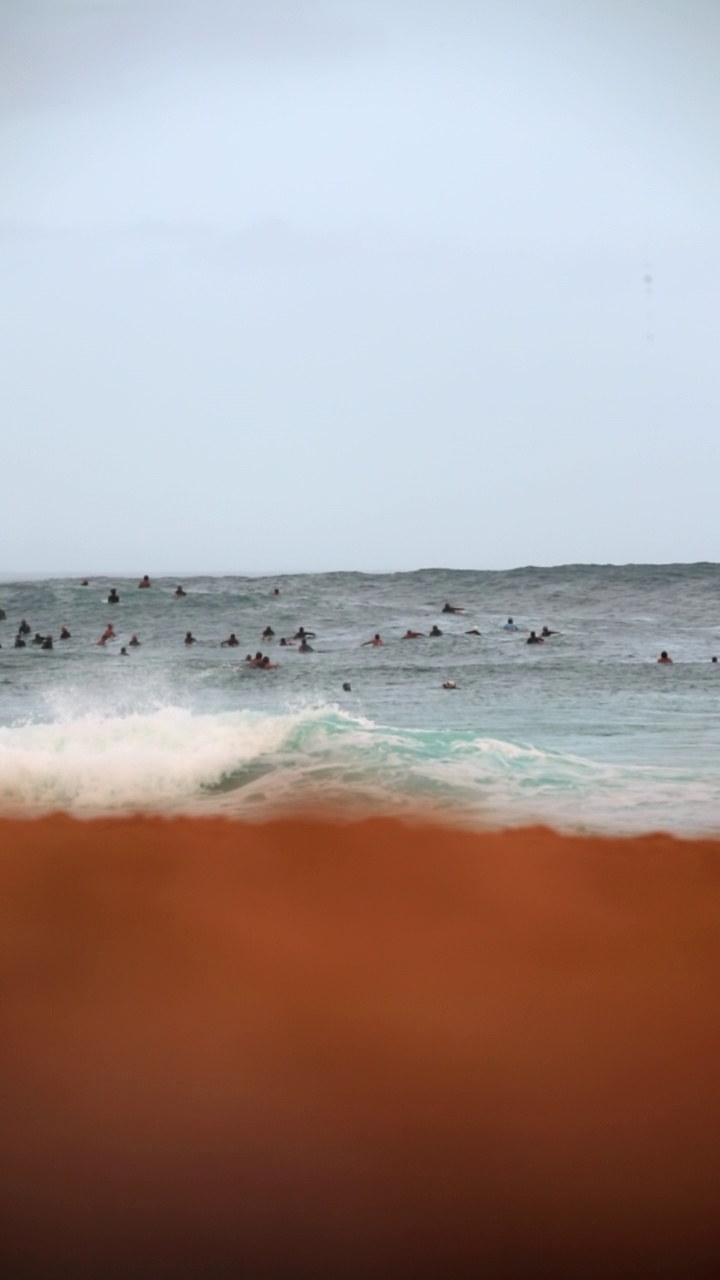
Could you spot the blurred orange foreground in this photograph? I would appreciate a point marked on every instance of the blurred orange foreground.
(324, 1050)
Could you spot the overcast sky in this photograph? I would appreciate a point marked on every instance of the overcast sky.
(318, 284)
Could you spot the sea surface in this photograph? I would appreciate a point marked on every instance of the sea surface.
(585, 732)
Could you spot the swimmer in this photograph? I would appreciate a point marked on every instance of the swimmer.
(47, 643)
(267, 665)
(305, 647)
(436, 631)
(113, 598)
(347, 688)
(547, 632)
(268, 633)
(474, 631)
(178, 592)
(189, 638)
(413, 635)
(375, 642)
(144, 581)
(510, 625)
(109, 632)
(449, 684)
(19, 642)
(452, 608)
(665, 659)
(232, 642)
(64, 633)
(255, 662)
(133, 641)
(533, 639)
(24, 628)
(123, 653)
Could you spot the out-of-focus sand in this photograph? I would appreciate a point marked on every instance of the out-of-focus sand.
(315, 1049)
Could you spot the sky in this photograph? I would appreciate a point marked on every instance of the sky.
(303, 285)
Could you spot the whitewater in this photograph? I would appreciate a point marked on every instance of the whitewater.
(584, 732)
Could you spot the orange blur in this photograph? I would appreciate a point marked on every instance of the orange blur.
(323, 1049)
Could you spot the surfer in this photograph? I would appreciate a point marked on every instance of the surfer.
(113, 598)
(436, 631)
(534, 639)
(413, 635)
(179, 592)
(19, 642)
(510, 625)
(133, 641)
(232, 642)
(305, 647)
(452, 608)
(665, 658)
(47, 643)
(547, 632)
(24, 628)
(375, 642)
(268, 633)
(190, 638)
(144, 581)
(474, 631)
(64, 633)
(302, 634)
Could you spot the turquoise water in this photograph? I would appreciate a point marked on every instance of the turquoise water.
(586, 731)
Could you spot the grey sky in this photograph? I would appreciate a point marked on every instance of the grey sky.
(313, 284)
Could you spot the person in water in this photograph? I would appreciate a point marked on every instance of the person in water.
(24, 628)
(123, 653)
(547, 632)
(413, 635)
(449, 684)
(452, 608)
(276, 592)
(534, 639)
(302, 634)
(179, 592)
(713, 659)
(267, 665)
(347, 687)
(19, 642)
(189, 638)
(305, 647)
(375, 642)
(113, 598)
(37, 638)
(268, 633)
(232, 642)
(665, 658)
(47, 643)
(473, 631)
(144, 581)
(64, 633)
(133, 641)
(436, 631)
(510, 625)
(85, 582)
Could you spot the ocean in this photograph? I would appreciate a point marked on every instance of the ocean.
(586, 732)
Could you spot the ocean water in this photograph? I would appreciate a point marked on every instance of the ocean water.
(585, 732)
